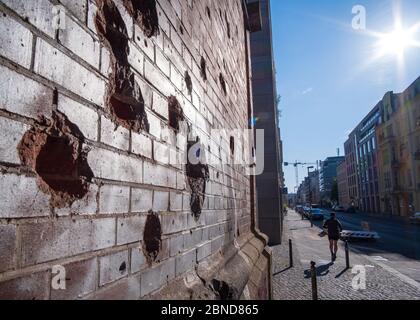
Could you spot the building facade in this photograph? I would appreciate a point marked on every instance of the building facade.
(343, 187)
(95, 119)
(270, 183)
(350, 148)
(399, 145)
(327, 178)
(367, 165)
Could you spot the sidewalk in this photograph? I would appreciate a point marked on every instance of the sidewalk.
(334, 282)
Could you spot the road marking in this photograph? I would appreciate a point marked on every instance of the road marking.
(379, 258)
(394, 272)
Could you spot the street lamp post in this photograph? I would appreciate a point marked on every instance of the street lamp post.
(310, 193)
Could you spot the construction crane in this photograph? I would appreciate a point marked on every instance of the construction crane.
(296, 164)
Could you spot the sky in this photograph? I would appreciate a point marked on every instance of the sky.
(330, 75)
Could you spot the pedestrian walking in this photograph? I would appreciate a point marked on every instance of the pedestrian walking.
(334, 229)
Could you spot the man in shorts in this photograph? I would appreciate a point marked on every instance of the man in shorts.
(334, 230)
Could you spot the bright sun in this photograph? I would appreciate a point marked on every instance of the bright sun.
(395, 42)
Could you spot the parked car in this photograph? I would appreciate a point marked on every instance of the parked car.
(416, 218)
(298, 209)
(339, 209)
(351, 210)
(316, 214)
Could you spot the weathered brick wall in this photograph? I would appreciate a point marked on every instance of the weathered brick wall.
(87, 185)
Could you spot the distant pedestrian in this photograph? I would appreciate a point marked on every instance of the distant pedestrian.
(334, 229)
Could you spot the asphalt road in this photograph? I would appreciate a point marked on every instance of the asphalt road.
(398, 247)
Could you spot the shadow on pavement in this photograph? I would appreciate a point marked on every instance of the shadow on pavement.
(342, 272)
(321, 271)
(284, 270)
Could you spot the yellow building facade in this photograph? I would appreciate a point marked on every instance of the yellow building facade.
(398, 137)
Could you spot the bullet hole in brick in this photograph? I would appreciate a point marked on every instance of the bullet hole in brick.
(152, 237)
(181, 30)
(223, 83)
(145, 14)
(188, 82)
(223, 290)
(124, 102)
(176, 115)
(198, 175)
(123, 267)
(53, 149)
(227, 26)
(203, 71)
(208, 12)
(217, 175)
(145, 43)
(232, 145)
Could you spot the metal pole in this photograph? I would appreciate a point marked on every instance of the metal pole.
(347, 255)
(314, 284)
(291, 253)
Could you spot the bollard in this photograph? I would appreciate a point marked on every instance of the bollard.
(347, 255)
(312, 222)
(290, 253)
(314, 284)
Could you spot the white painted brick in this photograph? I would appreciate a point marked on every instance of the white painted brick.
(154, 278)
(81, 278)
(128, 20)
(47, 241)
(114, 199)
(113, 267)
(80, 42)
(177, 79)
(180, 181)
(83, 117)
(155, 175)
(20, 197)
(56, 66)
(185, 262)
(130, 229)
(158, 79)
(7, 246)
(24, 96)
(111, 134)
(204, 251)
(141, 200)
(160, 201)
(138, 260)
(136, 59)
(176, 201)
(141, 145)
(11, 133)
(29, 287)
(145, 44)
(92, 9)
(125, 289)
(146, 90)
(176, 245)
(160, 152)
(155, 125)
(106, 68)
(16, 41)
(162, 62)
(39, 13)
(160, 105)
(171, 178)
(86, 206)
(77, 8)
(173, 222)
(112, 166)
